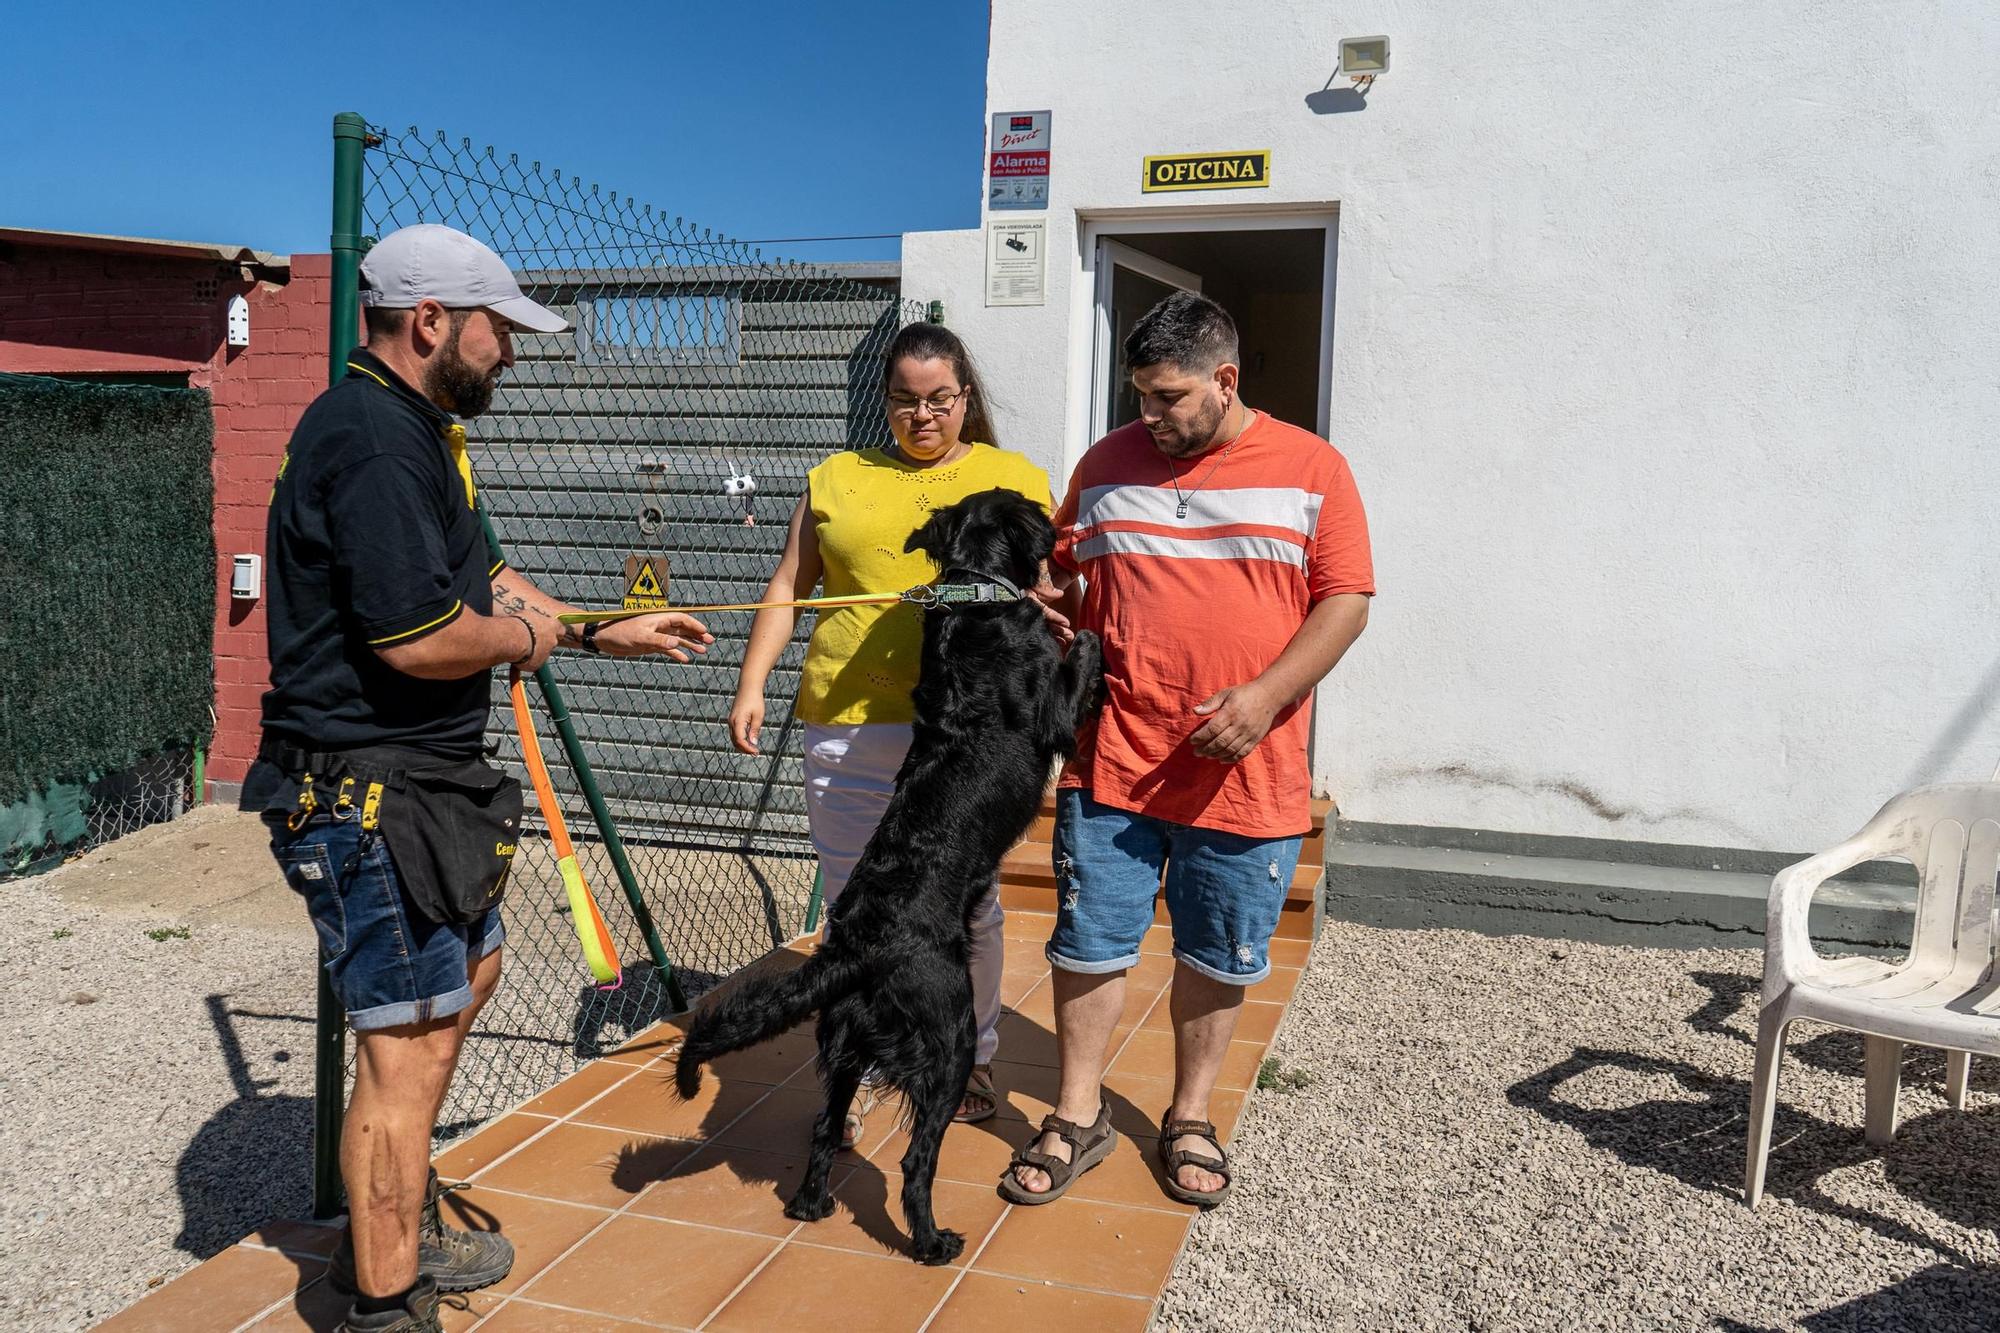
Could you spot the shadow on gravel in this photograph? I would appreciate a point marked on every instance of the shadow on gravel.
(1943, 1298)
(1948, 1161)
(250, 1163)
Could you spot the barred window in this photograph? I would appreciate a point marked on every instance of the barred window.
(701, 329)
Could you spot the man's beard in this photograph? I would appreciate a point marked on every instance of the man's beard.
(1200, 434)
(456, 386)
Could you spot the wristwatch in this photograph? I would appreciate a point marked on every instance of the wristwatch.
(588, 641)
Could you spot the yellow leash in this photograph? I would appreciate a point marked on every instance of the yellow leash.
(861, 599)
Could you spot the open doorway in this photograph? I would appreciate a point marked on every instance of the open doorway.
(1271, 275)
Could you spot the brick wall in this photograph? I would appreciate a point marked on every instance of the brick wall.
(70, 310)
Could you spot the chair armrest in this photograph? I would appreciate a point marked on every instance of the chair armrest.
(1787, 940)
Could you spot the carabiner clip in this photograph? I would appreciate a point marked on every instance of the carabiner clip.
(343, 801)
(307, 804)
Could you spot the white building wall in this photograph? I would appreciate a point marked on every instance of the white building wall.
(1666, 354)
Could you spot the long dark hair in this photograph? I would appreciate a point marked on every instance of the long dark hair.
(935, 342)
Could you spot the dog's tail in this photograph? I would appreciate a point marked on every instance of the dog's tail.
(760, 1010)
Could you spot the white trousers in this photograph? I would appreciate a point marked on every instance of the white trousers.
(850, 775)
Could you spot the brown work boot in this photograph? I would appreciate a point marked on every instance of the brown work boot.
(456, 1260)
(418, 1315)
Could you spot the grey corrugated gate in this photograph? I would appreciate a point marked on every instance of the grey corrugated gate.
(598, 448)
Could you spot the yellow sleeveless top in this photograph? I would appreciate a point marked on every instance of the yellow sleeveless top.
(861, 664)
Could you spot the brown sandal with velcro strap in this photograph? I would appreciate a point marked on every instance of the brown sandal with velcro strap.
(1088, 1145)
(1173, 1161)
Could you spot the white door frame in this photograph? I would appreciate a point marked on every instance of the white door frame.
(1090, 325)
(1111, 255)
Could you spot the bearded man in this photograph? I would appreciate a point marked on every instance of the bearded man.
(386, 615)
(1224, 561)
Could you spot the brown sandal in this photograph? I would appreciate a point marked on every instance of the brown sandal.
(979, 1088)
(1088, 1145)
(1174, 1161)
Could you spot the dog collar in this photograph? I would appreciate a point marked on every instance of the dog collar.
(993, 589)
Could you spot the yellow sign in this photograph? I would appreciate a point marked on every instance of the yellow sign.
(1247, 170)
(645, 582)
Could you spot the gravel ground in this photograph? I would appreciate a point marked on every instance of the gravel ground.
(1524, 1134)
(156, 1094)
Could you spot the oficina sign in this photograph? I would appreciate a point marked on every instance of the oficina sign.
(1246, 170)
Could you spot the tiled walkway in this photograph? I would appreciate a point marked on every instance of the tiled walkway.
(631, 1209)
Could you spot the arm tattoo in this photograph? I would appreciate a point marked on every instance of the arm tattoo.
(508, 601)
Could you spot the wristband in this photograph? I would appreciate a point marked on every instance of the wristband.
(588, 639)
(533, 642)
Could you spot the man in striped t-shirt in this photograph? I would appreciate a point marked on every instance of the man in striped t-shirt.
(1224, 560)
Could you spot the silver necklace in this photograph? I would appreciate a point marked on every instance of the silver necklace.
(1181, 509)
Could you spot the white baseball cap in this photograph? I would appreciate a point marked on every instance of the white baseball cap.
(428, 262)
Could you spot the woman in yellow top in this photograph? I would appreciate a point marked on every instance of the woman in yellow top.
(859, 508)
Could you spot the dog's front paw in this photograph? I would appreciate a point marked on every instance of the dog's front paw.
(809, 1207)
(940, 1247)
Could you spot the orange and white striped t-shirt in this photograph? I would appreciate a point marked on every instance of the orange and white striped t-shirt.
(1189, 606)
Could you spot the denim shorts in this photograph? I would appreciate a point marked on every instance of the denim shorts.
(389, 963)
(1224, 891)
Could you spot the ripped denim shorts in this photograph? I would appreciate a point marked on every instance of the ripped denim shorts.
(1224, 891)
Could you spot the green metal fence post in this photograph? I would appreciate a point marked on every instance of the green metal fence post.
(814, 903)
(350, 138)
(586, 780)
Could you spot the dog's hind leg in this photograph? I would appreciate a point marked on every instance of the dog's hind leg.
(929, 1243)
(813, 1200)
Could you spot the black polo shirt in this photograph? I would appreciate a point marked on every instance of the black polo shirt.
(372, 541)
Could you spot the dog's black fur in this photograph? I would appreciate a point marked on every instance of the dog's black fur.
(996, 703)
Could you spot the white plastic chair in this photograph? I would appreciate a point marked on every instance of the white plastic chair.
(1946, 993)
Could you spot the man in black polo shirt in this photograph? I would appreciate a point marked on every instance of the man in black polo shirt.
(386, 618)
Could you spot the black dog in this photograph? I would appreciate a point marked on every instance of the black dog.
(996, 704)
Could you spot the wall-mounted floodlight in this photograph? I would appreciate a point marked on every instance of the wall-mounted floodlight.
(1362, 58)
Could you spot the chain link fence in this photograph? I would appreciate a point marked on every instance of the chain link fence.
(672, 430)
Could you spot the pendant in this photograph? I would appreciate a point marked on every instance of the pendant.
(1180, 510)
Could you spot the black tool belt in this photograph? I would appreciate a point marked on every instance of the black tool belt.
(450, 825)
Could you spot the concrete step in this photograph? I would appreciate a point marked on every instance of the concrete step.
(1608, 902)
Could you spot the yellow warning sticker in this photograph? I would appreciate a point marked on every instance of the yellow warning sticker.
(645, 584)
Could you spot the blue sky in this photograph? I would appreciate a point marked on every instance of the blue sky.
(758, 119)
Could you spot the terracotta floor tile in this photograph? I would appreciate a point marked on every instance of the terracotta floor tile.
(1151, 1053)
(663, 1038)
(1025, 1040)
(1082, 1243)
(648, 1104)
(220, 1293)
(1290, 953)
(1017, 982)
(772, 1062)
(1028, 927)
(298, 1238)
(734, 1188)
(1027, 1092)
(527, 1317)
(973, 1154)
(983, 1302)
(1038, 1004)
(653, 1271)
(782, 1122)
(868, 1214)
(540, 1229)
(807, 1287)
(1159, 939)
(584, 1164)
(1137, 1102)
(1276, 988)
(1257, 1021)
(469, 1156)
(578, 1088)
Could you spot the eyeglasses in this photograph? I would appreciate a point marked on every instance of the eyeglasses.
(940, 404)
